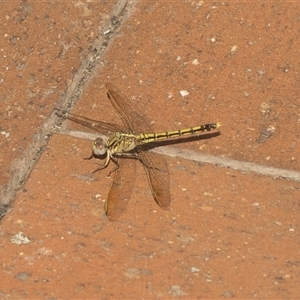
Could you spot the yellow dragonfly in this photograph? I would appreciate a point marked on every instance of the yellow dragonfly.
(127, 144)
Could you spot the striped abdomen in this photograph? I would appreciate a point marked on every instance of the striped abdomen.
(144, 138)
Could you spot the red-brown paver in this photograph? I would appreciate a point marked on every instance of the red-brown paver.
(228, 233)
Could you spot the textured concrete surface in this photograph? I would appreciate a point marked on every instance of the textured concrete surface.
(232, 229)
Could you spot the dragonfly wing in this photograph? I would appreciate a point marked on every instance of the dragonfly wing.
(123, 183)
(154, 164)
(99, 126)
(157, 173)
(134, 120)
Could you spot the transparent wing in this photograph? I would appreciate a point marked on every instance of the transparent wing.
(99, 126)
(123, 183)
(134, 120)
(154, 164)
(157, 173)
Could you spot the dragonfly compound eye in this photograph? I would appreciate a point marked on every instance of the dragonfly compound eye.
(99, 147)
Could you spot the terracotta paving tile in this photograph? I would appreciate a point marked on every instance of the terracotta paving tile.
(41, 49)
(228, 233)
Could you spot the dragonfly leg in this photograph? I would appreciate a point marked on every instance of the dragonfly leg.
(100, 168)
(90, 157)
(103, 166)
(117, 166)
(108, 159)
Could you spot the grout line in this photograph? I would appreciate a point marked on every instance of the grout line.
(82, 134)
(223, 162)
(21, 167)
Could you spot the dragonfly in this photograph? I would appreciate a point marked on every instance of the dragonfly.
(125, 144)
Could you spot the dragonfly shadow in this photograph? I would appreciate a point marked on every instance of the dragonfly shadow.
(180, 140)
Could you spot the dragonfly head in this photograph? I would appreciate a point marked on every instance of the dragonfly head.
(98, 147)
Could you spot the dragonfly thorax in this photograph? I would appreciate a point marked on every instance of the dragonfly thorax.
(121, 142)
